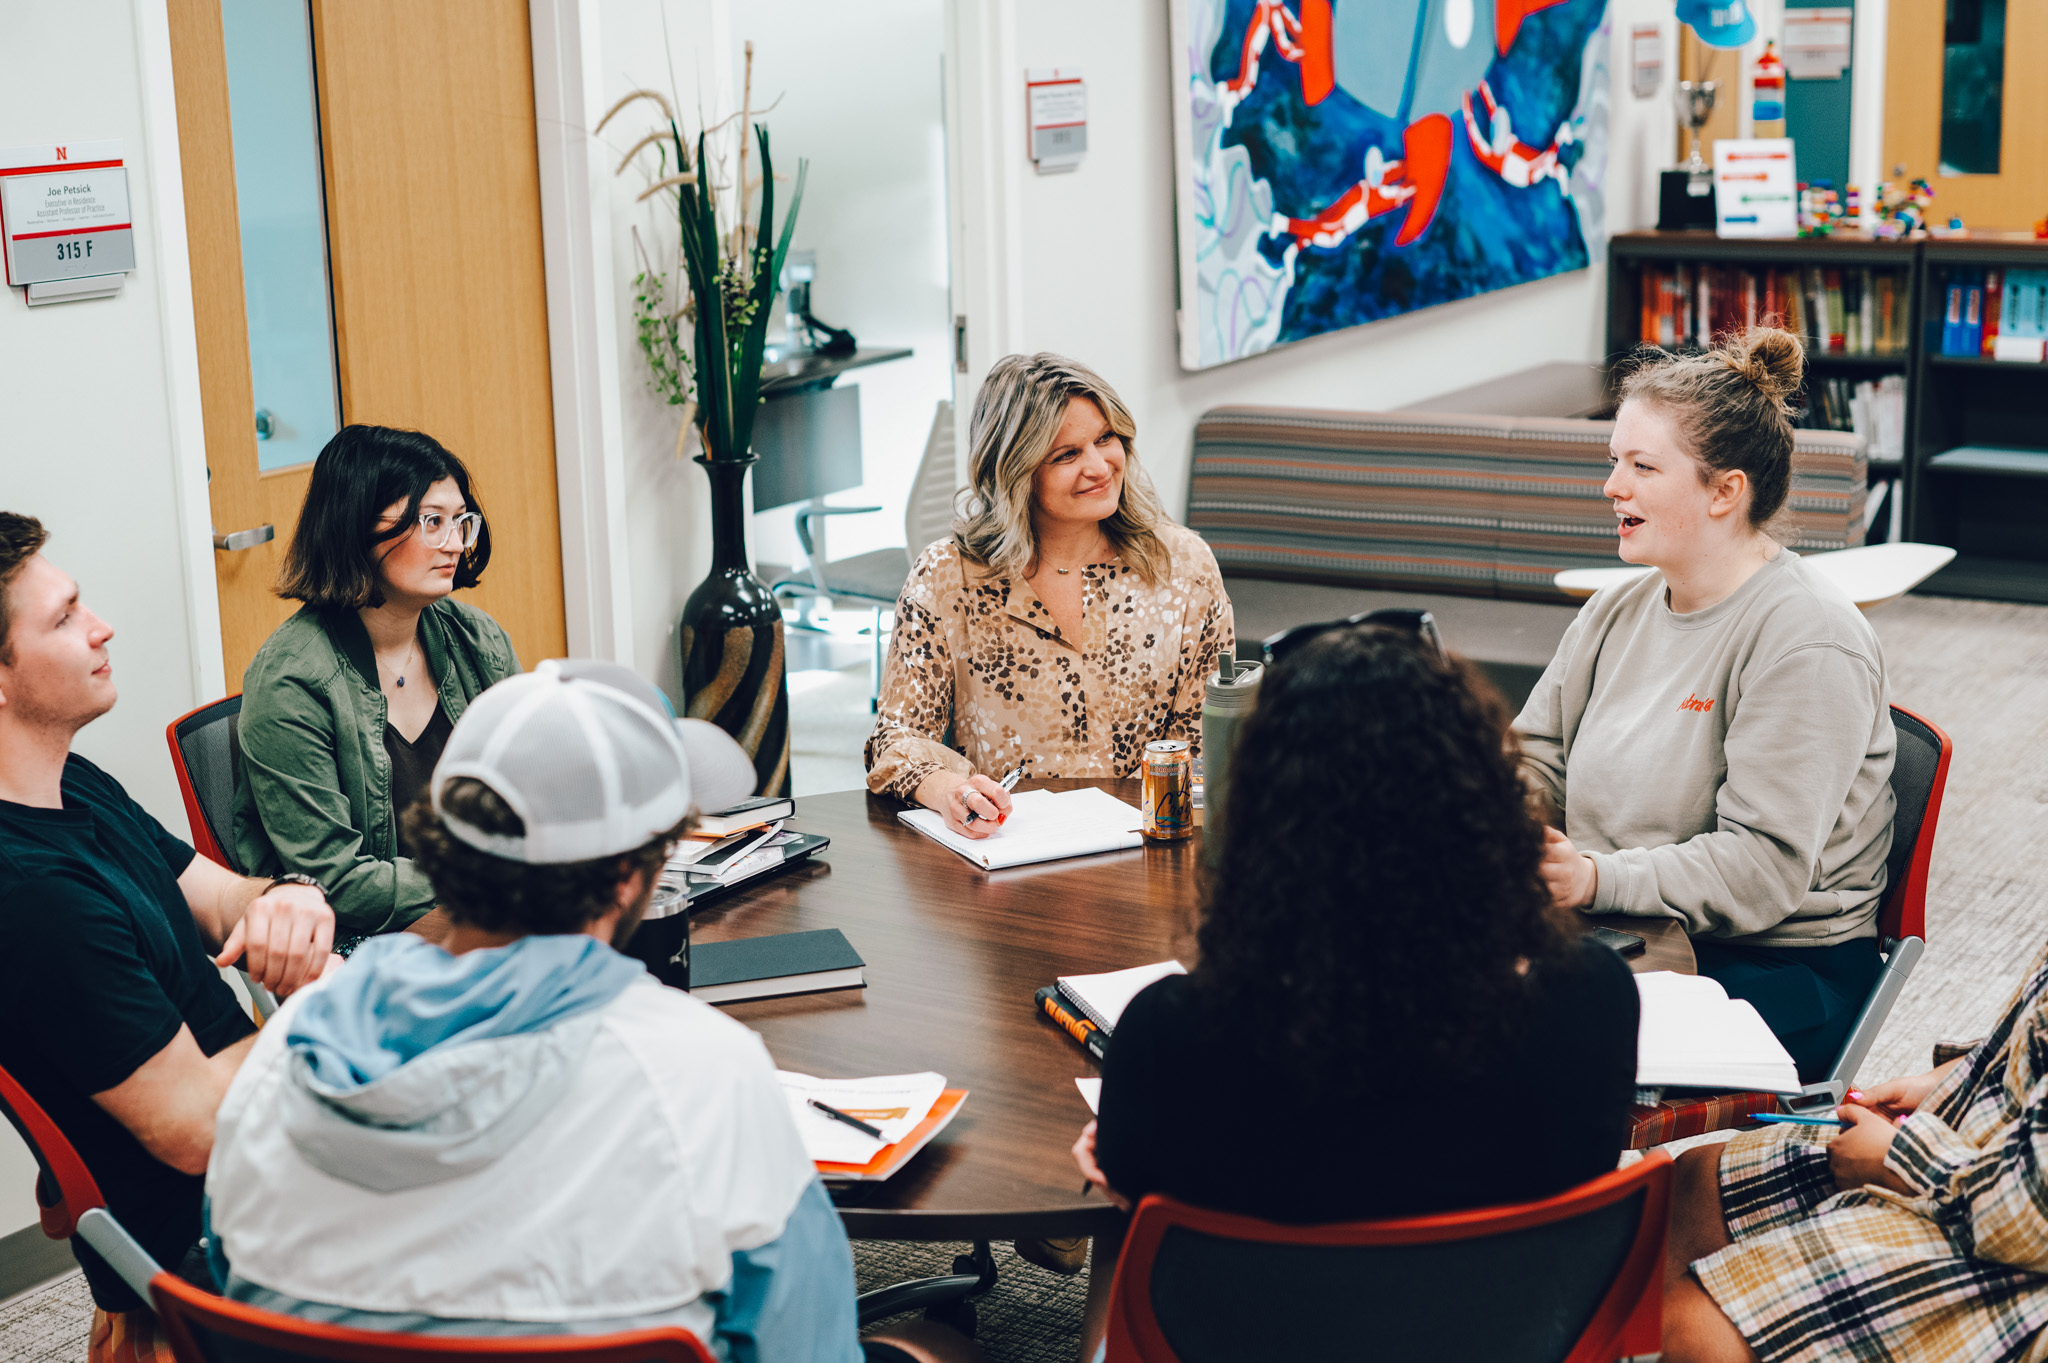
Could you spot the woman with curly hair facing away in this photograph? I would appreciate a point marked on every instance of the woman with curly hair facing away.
(1064, 624)
(1715, 735)
(1377, 935)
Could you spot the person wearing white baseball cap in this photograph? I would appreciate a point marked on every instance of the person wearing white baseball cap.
(518, 1130)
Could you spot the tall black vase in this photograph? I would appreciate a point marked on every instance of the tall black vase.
(730, 637)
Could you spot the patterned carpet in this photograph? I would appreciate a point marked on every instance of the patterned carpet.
(1977, 669)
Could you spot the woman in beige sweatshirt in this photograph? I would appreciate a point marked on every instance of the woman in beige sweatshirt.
(1715, 736)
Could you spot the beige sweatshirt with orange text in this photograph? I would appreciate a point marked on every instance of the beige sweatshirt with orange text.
(1730, 767)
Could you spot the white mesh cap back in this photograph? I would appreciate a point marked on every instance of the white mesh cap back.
(590, 770)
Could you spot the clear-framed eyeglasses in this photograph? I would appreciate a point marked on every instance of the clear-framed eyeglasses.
(440, 532)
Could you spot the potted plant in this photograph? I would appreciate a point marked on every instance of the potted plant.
(730, 635)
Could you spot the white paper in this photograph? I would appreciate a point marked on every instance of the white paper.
(1755, 191)
(1646, 59)
(896, 1103)
(1108, 994)
(1043, 825)
(1817, 43)
(1692, 1034)
(1091, 1093)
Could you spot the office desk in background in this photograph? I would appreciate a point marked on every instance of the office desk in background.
(953, 955)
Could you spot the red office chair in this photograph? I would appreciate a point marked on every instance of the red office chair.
(1575, 1278)
(204, 751)
(65, 1189)
(1919, 779)
(67, 1194)
(203, 1328)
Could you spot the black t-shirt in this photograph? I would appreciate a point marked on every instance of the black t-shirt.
(1190, 1107)
(100, 964)
(412, 766)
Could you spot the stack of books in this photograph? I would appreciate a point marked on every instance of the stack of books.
(1996, 315)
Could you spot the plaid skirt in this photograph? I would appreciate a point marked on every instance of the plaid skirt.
(1819, 1274)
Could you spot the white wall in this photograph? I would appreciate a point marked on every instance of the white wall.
(101, 403)
(1094, 249)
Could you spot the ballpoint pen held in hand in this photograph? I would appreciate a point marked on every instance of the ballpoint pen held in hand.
(1008, 783)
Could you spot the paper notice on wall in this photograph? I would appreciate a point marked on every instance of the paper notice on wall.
(1646, 59)
(1755, 191)
(1817, 43)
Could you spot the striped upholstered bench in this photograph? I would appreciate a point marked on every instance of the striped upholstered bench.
(1427, 502)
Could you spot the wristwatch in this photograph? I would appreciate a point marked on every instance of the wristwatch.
(294, 878)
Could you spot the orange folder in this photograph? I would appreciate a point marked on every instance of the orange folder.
(890, 1158)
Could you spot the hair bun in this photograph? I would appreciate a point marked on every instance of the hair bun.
(1769, 357)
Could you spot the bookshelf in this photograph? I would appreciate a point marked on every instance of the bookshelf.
(1977, 476)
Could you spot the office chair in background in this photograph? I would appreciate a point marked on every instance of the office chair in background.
(876, 578)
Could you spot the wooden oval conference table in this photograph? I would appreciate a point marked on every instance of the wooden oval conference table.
(953, 956)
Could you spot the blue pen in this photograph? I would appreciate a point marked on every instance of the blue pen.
(1793, 1119)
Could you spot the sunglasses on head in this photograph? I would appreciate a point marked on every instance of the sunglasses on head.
(1408, 619)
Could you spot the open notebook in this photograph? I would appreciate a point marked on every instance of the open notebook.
(1694, 1036)
(1102, 998)
(1044, 825)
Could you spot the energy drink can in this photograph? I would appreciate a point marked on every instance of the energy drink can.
(1169, 790)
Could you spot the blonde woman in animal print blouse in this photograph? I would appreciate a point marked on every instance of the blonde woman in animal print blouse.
(1064, 625)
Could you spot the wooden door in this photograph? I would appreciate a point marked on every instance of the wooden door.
(1914, 53)
(440, 308)
(241, 497)
(440, 302)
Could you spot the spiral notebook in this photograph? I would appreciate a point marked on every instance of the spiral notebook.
(1044, 825)
(1102, 998)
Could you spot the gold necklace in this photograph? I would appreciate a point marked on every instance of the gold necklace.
(1064, 571)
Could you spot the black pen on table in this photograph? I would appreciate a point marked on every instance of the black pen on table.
(856, 1123)
(1008, 783)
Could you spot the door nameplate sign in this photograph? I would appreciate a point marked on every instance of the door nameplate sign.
(64, 214)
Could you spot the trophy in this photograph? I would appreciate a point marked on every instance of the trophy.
(1695, 107)
(1685, 196)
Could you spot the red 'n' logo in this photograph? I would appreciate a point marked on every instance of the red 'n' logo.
(63, 153)
(1695, 703)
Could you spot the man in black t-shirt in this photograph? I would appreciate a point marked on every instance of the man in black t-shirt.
(113, 1014)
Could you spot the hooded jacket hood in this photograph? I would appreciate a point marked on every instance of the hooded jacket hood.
(411, 1066)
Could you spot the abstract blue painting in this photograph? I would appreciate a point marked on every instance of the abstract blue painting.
(1344, 161)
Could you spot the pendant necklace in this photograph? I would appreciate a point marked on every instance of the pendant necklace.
(408, 658)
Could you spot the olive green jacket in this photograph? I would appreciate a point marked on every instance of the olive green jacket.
(313, 786)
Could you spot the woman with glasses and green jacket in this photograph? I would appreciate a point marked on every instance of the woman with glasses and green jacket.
(345, 709)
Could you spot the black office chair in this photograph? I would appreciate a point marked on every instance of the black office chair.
(876, 578)
(205, 750)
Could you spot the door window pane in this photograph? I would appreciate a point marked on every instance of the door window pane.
(281, 202)
(1973, 87)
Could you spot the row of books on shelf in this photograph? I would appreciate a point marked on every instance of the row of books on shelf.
(1996, 315)
(1837, 311)
(1873, 409)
